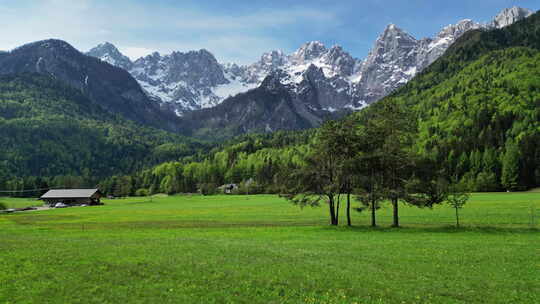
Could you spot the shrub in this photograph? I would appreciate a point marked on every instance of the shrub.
(208, 188)
(249, 188)
(2, 206)
(142, 192)
(486, 182)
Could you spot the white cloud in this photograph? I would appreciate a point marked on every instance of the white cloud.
(257, 20)
(134, 52)
(138, 29)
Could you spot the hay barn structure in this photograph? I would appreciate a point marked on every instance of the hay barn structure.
(72, 197)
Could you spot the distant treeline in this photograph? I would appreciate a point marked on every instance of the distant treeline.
(251, 161)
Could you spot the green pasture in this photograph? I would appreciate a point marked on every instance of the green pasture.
(261, 249)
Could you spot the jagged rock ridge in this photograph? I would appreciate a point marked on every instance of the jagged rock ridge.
(324, 80)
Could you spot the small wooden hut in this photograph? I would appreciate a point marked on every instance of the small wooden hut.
(72, 197)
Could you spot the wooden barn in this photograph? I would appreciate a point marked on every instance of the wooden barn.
(72, 197)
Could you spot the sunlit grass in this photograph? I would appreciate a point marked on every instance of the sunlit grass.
(261, 249)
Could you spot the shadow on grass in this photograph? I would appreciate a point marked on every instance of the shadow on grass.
(136, 225)
(439, 229)
(318, 225)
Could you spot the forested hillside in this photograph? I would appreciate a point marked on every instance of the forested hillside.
(57, 135)
(253, 161)
(478, 107)
(483, 123)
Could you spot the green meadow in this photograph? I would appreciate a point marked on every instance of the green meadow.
(262, 249)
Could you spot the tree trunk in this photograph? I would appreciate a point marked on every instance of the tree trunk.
(396, 214)
(333, 220)
(337, 208)
(349, 209)
(457, 218)
(373, 219)
(372, 195)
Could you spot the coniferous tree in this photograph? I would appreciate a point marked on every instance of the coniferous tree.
(510, 166)
(320, 177)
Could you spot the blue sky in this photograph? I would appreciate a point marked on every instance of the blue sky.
(235, 31)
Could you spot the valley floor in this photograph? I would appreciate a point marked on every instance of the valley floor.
(261, 249)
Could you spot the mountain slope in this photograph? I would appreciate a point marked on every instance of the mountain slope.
(474, 121)
(259, 110)
(312, 96)
(479, 105)
(111, 87)
(50, 129)
(471, 46)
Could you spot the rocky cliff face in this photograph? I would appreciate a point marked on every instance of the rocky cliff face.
(397, 57)
(187, 79)
(509, 16)
(109, 53)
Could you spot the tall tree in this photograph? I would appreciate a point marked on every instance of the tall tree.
(348, 141)
(391, 127)
(321, 176)
(510, 165)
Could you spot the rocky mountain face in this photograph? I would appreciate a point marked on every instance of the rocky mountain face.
(397, 56)
(322, 78)
(109, 53)
(509, 16)
(189, 81)
(196, 80)
(320, 81)
(106, 85)
(180, 81)
(269, 107)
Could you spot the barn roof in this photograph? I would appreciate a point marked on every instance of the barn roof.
(69, 193)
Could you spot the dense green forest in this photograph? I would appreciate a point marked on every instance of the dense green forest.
(253, 161)
(478, 107)
(475, 112)
(52, 135)
(483, 124)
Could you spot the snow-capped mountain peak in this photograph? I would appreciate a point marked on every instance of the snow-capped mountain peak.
(458, 29)
(326, 79)
(509, 16)
(308, 51)
(109, 53)
(273, 60)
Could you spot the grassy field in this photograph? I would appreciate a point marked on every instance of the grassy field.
(261, 249)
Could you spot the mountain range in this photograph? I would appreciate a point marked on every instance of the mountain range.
(196, 80)
(191, 93)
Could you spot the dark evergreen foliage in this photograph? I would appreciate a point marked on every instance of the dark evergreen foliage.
(48, 130)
